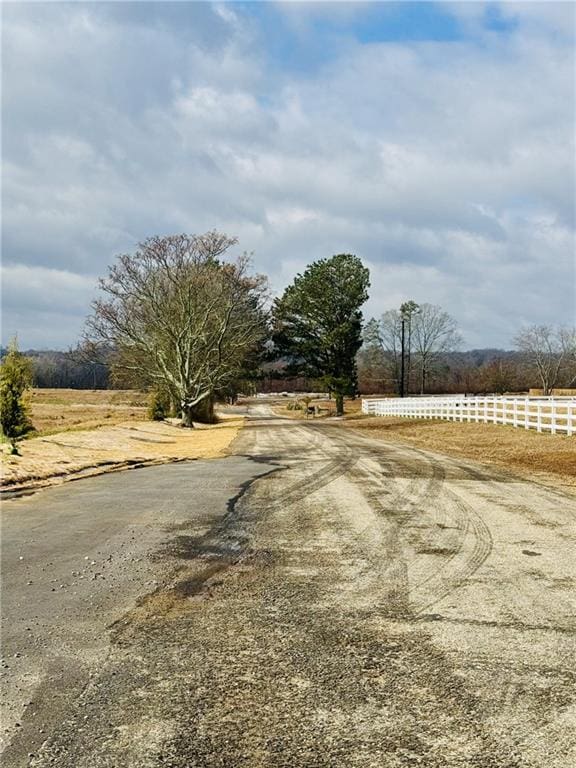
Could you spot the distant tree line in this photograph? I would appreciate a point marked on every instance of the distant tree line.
(534, 364)
(473, 371)
(67, 370)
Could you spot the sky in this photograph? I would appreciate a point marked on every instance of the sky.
(433, 140)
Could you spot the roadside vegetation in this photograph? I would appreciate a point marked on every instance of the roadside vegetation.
(181, 320)
(15, 381)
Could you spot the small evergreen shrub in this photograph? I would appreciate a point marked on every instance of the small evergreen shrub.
(15, 380)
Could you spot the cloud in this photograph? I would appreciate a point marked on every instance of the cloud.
(44, 307)
(448, 165)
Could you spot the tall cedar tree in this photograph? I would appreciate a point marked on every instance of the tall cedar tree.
(318, 323)
(15, 379)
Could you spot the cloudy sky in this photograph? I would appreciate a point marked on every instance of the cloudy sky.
(434, 140)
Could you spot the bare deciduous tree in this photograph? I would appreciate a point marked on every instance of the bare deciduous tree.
(179, 317)
(499, 375)
(429, 332)
(568, 341)
(384, 334)
(549, 352)
(434, 332)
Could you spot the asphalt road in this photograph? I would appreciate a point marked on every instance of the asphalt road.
(317, 599)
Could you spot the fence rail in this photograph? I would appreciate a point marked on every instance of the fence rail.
(545, 414)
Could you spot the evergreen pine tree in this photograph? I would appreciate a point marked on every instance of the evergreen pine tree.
(15, 379)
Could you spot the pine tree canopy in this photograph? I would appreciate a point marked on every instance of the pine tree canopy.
(318, 321)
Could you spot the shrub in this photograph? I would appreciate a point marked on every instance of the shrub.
(159, 407)
(15, 379)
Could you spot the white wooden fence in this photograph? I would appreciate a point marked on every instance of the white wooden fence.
(545, 414)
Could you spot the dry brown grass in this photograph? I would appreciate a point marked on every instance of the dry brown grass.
(83, 432)
(57, 410)
(550, 459)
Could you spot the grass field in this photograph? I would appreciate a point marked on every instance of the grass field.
(58, 410)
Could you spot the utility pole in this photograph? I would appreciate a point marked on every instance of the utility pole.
(407, 310)
(408, 356)
(403, 321)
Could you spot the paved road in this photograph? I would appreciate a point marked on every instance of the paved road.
(319, 599)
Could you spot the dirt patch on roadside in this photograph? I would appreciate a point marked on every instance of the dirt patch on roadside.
(51, 459)
(549, 459)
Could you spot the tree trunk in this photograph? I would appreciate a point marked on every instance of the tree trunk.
(204, 411)
(339, 404)
(187, 417)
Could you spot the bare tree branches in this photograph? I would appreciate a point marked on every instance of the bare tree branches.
(431, 332)
(434, 332)
(181, 317)
(384, 335)
(550, 353)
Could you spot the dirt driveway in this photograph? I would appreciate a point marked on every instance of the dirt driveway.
(360, 604)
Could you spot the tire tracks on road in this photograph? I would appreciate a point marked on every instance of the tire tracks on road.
(427, 495)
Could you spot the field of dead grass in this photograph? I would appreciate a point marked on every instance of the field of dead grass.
(58, 410)
(83, 432)
(551, 459)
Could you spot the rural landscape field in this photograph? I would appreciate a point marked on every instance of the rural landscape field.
(288, 385)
